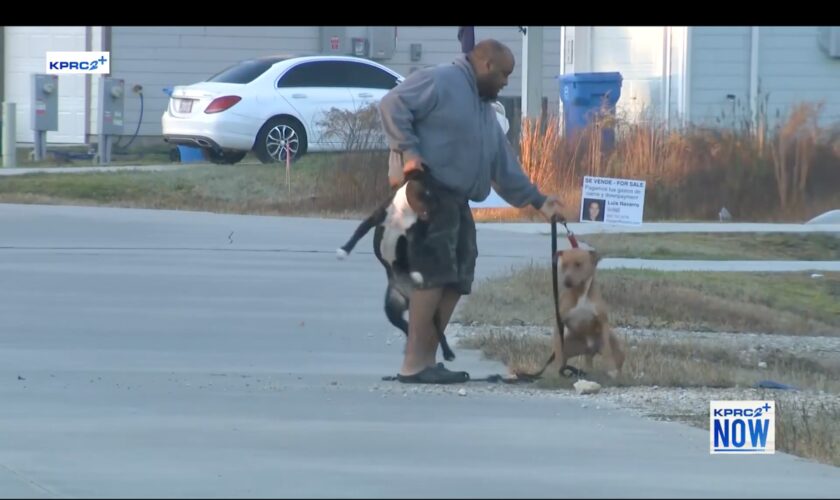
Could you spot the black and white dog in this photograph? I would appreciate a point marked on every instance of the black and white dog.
(401, 219)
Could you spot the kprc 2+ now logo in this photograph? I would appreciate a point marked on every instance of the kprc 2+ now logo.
(742, 427)
(79, 63)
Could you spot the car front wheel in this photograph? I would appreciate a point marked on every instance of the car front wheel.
(278, 138)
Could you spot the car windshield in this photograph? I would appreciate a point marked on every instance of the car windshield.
(245, 71)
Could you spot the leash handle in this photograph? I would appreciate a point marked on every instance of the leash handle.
(571, 236)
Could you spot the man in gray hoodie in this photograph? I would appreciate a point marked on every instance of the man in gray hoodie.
(441, 120)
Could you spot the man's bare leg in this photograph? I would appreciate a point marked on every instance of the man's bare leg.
(421, 346)
(447, 305)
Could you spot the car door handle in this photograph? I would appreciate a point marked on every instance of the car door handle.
(365, 94)
(299, 96)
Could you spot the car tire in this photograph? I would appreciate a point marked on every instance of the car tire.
(223, 158)
(269, 146)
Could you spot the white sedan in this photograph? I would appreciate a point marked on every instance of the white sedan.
(276, 104)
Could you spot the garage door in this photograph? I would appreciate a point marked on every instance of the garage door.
(635, 52)
(25, 50)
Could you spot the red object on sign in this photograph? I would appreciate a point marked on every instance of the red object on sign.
(334, 43)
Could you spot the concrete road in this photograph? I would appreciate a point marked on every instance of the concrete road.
(91, 169)
(176, 354)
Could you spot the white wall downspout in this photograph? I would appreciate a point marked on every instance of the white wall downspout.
(563, 48)
(686, 100)
(754, 73)
(583, 49)
(666, 76)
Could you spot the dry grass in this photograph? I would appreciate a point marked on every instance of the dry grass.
(718, 246)
(357, 178)
(781, 303)
(805, 428)
(681, 363)
(346, 184)
(355, 181)
(340, 185)
(792, 151)
(757, 173)
(240, 189)
(808, 429)
(771, 303)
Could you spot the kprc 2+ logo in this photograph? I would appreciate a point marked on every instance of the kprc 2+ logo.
(78, 63)
(742, 427)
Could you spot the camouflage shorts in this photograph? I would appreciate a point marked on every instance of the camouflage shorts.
(447, 252)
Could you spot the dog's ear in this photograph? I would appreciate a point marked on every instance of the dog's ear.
(596, 258)
(414, 175)
(412, 193)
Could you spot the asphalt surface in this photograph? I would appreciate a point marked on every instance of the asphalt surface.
(90, 169)
(178, 354)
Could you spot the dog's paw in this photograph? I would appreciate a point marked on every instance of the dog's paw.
(341, 254)
(613, 374)
(417, 277)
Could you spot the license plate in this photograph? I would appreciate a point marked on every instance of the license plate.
(185, 105)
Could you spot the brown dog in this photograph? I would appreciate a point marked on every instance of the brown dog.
(584, 313)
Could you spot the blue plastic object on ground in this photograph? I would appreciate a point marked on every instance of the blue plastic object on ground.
(190, 154)
(772, 384)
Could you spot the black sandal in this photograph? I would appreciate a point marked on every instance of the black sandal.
(437, 374)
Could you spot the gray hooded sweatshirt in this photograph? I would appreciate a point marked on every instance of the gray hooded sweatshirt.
(437, 115)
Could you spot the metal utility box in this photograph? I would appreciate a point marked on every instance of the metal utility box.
(373, 42)
(44, 102)
(334, 41)
(112, 100)
(383, 42)
(111, 108)
(416, 51)
(359, 46)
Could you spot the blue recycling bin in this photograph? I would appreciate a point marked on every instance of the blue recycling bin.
(190, 154)
(585, 96)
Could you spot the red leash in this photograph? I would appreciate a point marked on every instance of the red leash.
(572, 240)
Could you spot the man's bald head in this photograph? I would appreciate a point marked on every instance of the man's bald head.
(493, 62)
(490, 50)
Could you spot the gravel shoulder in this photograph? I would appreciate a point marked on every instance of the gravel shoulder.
(687, 405)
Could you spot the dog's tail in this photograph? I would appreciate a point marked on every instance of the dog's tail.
(374, 219)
